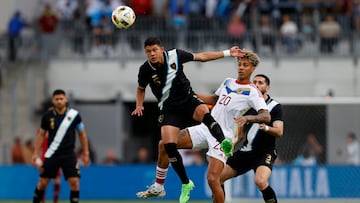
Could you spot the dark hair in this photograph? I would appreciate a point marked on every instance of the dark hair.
(58, 91)
(352, 135)
(152, 41)
(267, 79)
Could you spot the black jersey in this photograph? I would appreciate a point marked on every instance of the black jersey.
(259, 140)
(61, 130)
(168, 83)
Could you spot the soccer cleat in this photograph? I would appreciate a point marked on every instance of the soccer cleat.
(152, 191)
(227, 147)
(185, 192)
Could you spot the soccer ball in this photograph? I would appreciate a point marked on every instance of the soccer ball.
(123, 17)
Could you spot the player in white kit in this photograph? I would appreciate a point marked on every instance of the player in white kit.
(231, 101)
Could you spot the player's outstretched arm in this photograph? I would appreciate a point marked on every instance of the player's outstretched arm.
(234, 51)
(208, 98)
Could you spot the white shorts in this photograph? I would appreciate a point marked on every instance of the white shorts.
(202, 139)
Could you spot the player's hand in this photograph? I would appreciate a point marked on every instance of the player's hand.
(262, 126)
(36, 161)
(235, 51)
(138, 111)
(240, 121)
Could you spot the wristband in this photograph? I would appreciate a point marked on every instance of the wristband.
(226, 53)
(266, 128)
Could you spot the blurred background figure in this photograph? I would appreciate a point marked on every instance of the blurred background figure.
(307, 158)
(142, 156)
(289, 34)
(312, 147)
(48, 23)
(111, 158)
(28, 150)
(352, 149)
(17, 156)
(329, 31)
(192, 157)
(15, 26)
(236, 30)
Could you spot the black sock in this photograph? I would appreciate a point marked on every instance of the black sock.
(74, 196)
(38, 195)
(214, 127)
(269, 195)
(176, 161)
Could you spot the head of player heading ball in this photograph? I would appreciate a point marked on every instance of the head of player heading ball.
(123, 17)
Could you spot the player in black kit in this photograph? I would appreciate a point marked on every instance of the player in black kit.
(178, 104)
(258, 151)
(61, 123)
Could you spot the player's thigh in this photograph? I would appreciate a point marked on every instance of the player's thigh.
(70, 167)
(227, 173)
(215, 168)
(200, 111)
(184, 140)
(169, 133)
(202, 139)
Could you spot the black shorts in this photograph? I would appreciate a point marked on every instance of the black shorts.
(242, 162)
(68, 164)
(182, 115)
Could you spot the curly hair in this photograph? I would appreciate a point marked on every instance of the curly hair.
(253, 57)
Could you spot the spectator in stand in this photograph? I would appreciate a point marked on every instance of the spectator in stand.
(28, 150)
(356, 14)
(15, 26)
(66, 9)
(267, 34)
(352, 149)
(111, 158)
(17, 156)
(142, 156)
(103, 35)
(329, 31)
(236, 30)
(141, 7)
(48, 23)
(289, 34)
(312, 147)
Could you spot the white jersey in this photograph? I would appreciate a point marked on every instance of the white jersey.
(234, 100)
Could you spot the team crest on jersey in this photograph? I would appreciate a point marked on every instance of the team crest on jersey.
(156, 79)
(161, 118)
(243, 91)
(52, 123)
(173, 66)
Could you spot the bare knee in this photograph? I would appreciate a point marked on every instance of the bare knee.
(74, 183)
(213, 180)
(261, 183)
(43, 182)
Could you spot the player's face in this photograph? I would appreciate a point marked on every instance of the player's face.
(154, 54)
(245, 69)
(59, 101)
(260, 83)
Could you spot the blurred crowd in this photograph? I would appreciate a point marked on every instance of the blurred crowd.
(192, 23)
